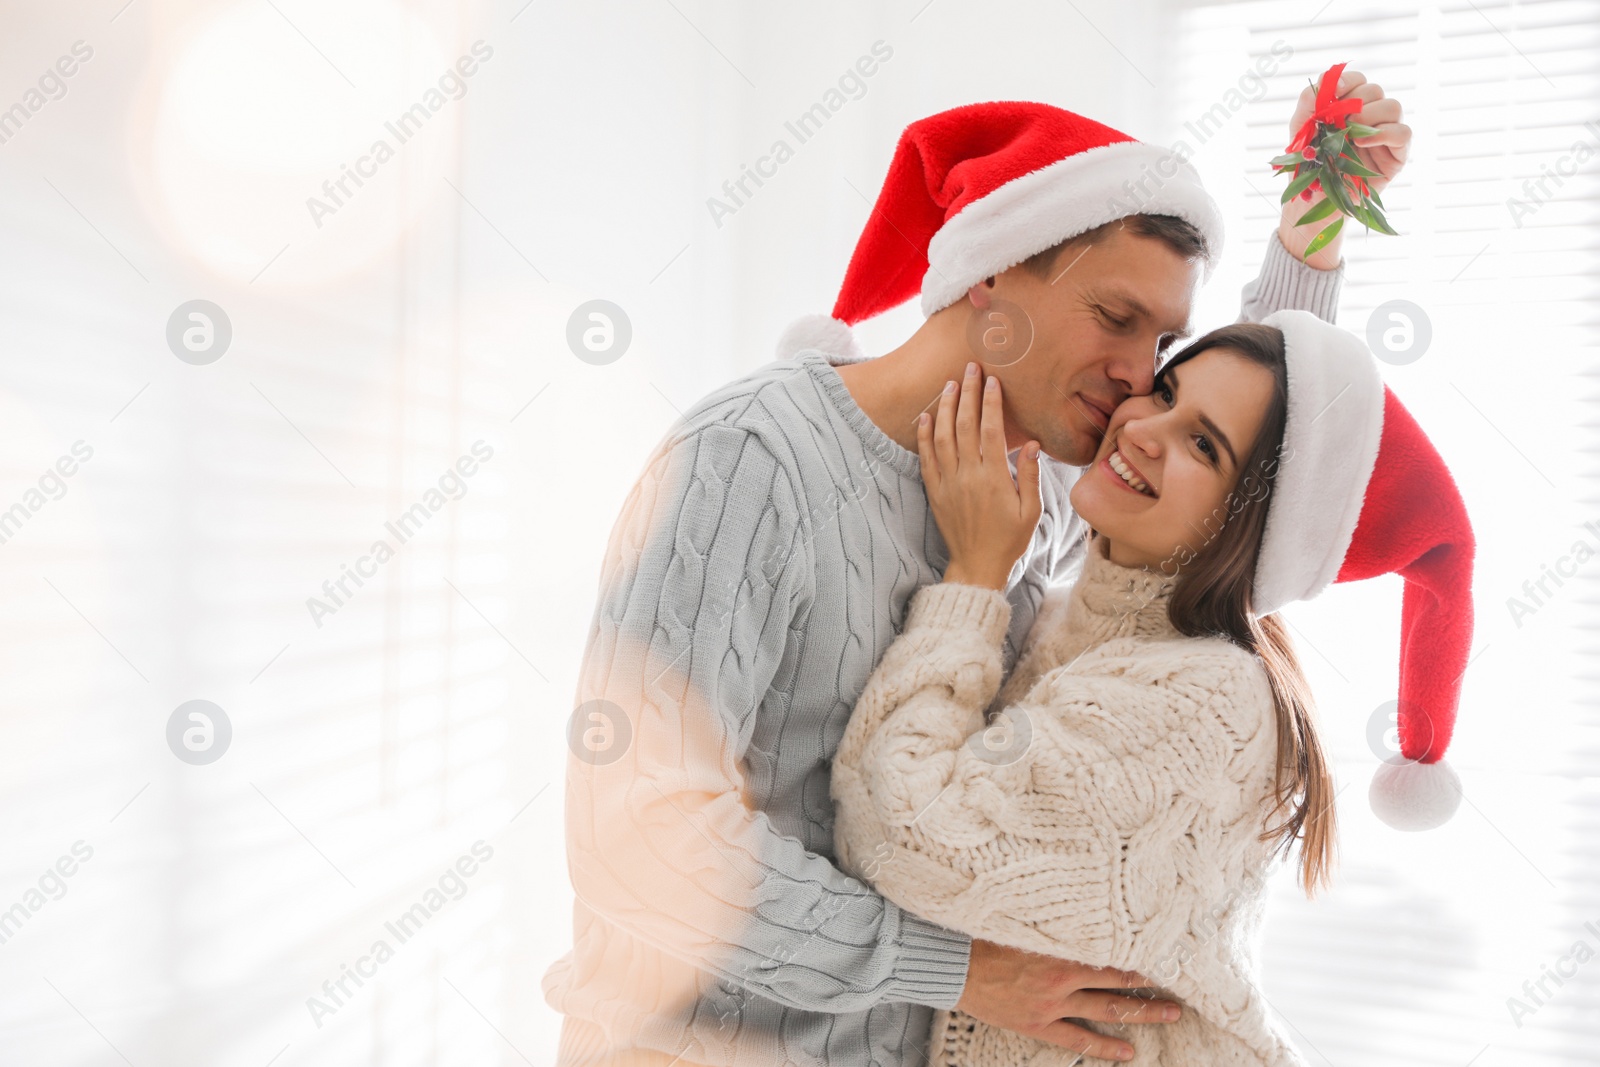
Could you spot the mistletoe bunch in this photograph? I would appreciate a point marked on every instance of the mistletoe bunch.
(1322, 158)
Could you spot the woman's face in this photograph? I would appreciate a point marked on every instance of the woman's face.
(1158, 487)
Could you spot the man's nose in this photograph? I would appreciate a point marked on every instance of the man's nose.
(1135, 372)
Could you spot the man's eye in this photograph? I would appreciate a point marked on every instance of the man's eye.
(1112, 320)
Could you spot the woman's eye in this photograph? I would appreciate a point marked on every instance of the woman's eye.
(1204, 444)
(1164, 392)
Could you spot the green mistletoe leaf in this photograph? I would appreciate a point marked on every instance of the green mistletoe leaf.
(1339, 193)
(1352, 165)
(1373, 219)
(1323, 209)
(1300, 184)
(1320, 241)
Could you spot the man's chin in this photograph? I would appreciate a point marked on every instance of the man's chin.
(1075, 451)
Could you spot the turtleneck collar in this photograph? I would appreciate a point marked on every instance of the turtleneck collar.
(1114, 601)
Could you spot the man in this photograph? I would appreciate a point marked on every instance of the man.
(766, 557)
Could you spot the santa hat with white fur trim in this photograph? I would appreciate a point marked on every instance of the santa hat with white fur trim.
(980, 188)
(1360, 491)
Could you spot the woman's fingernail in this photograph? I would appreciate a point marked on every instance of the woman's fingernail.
(1124, 1053)
(1171, 1013)
(922, 420)
(949, 387)
(992, 384)
(972, 370)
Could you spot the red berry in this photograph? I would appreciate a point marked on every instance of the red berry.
(1308, 153)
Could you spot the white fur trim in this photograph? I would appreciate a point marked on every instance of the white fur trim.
(1070, 196)
(1414, 796)
(821, 332)
(1330, 447)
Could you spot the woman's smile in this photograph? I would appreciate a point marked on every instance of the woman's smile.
(1121, 469)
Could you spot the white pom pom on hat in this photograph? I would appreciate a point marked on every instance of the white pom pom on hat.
(822, 332)
(1409, 795)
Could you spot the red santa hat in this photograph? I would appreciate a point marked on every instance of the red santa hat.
(1360, 491)
(980, 188)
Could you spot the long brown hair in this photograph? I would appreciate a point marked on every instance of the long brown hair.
(1212, 597)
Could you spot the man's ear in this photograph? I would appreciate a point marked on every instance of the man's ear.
(981, 293)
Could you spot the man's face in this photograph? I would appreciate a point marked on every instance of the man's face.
(1100, 320)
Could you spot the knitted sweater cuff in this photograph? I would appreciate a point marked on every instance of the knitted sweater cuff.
(1286, 282)
(933, 963)
(950, 606)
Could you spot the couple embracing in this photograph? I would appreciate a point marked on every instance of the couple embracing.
(948, 717)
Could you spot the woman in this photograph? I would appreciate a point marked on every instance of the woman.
(1154, 753)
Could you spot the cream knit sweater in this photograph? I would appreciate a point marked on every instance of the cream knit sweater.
(1108, 813)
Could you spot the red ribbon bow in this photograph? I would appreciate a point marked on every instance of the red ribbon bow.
(1329, 110)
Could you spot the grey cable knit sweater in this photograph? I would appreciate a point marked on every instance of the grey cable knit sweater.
(761, 566)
